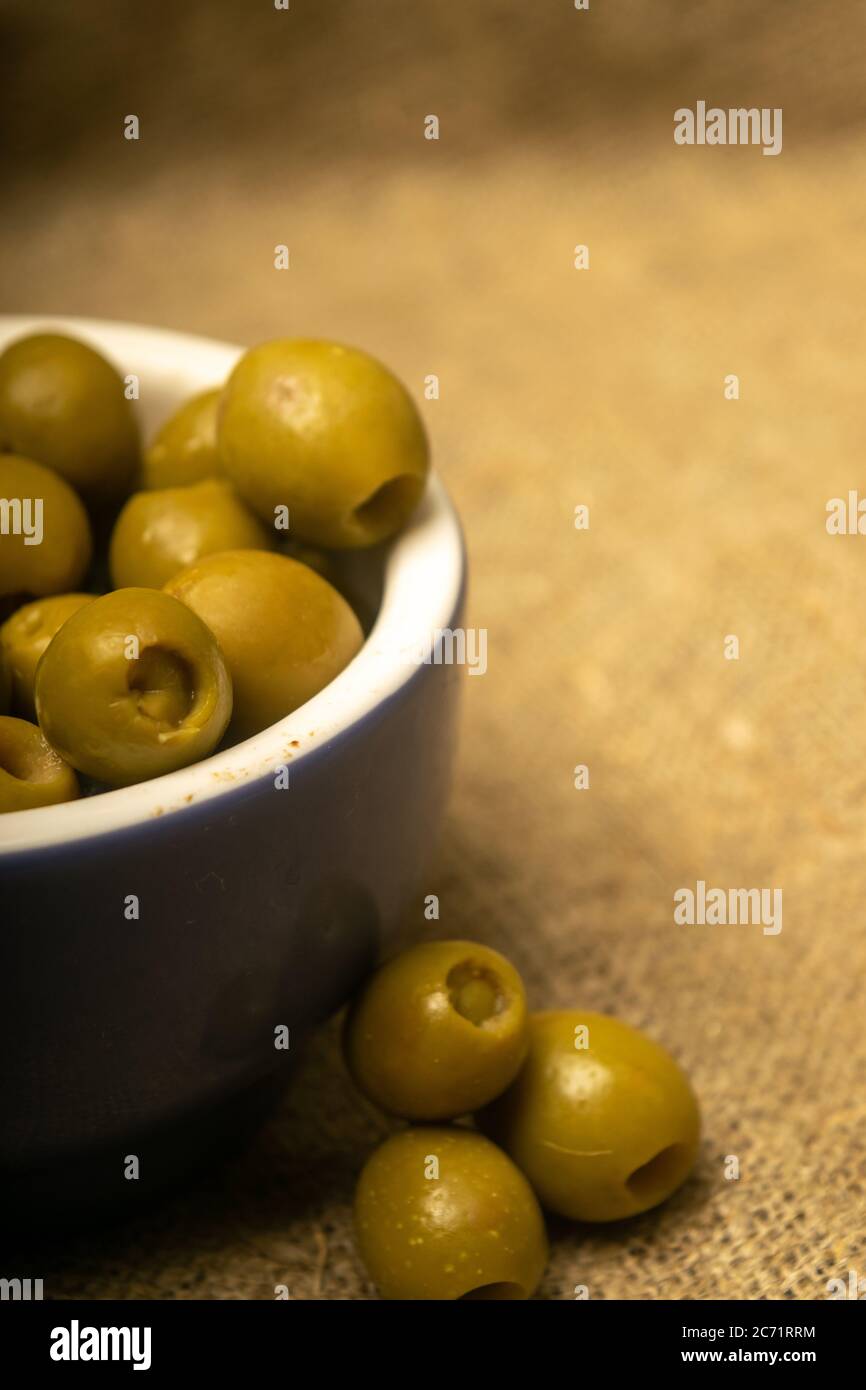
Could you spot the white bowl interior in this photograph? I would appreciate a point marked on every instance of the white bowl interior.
(422, 581)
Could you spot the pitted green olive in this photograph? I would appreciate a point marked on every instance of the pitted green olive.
(185, 449)
(25, 636)
(45, 537)
(284, 631)
(327, 432)
(601, 1119)
(133, 685)
(31, 772)
(5, 681)
(438, 1031)
(161, 532)
(442, 1213)
(64, 405)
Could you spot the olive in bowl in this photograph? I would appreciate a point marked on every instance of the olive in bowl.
(47, 543)
(327, 432)
(64, 404)
(132, 686)
(601, 1119)
(284, 630)
(184, 450)
(5, 681)
(163, 531)
(32, 774)
(25, 636)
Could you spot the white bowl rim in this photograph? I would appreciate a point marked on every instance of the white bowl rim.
(423, 586)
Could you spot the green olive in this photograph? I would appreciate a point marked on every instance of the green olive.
(24, 637)
(185, 449)
(63, 404)
(5, 681)
(31, 772)
(133, 685)
(442, 1213)
(327, 432)
(601, 1119)
(45, 538)
(284, 631)
(438, 1031)
(159, 533)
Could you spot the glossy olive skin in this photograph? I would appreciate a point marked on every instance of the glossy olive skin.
(63, 404)
(25, 636)
(438, 1031)
(473, 1231)
(604, 1131)
(123, 719)
(31, 772)
(57, 561)
(328, 432)
(284, 631)
(184, 450)
(159, 533)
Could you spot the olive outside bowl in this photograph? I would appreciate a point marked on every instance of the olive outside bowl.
(157, 941)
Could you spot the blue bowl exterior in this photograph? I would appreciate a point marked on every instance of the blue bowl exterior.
(258, 908)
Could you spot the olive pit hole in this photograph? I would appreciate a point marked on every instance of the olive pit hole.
(475, 992)
(16, 762)
(491, 1291)
(27, 761)
(658, 1175)
(163, 681)
(385, 509)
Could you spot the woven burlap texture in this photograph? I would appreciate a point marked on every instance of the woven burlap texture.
(559, 387)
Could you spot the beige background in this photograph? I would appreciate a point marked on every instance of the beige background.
(605, 647)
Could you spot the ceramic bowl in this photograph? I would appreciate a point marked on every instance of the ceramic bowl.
(258, 907)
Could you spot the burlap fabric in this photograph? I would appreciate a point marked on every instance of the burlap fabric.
(606, 647)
